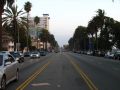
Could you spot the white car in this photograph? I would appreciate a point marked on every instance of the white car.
(9, 69)
(35, 54)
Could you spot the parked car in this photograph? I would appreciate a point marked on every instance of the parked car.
(17, 56)
(117, 55)
(96, 53)
(89, 52)
(43, 53)
(110, 55)
(21, 54)
(102, 53)
(9, 69)
(26, 54)
(35, 54)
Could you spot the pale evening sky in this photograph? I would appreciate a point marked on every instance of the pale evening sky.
(66, 15)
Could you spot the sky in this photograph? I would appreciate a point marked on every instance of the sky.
(67, 15)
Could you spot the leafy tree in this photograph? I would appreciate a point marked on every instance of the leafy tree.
(109, 33)
(116, 34)
(71, 43)
(23, 38)
(44, 37)
(80, 38)
(52, 40)
(2, 4)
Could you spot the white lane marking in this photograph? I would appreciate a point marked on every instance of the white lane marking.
(40, 84)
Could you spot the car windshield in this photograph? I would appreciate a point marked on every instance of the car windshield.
(112, 53)
(118, 52)
(15, 54)
(1, 59)
(34, 52)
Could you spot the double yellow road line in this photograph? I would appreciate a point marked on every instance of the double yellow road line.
(31, 78)
(83, 75)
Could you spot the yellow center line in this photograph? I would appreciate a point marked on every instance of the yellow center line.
(31, 78)
(83, 75)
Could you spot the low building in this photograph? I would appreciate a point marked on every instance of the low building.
(7, 42)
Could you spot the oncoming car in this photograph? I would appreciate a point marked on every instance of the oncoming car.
(9, 69)
(35, 54)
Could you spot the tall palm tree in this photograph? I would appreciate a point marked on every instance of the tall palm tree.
(101, 17)
(44, 37)
(36, 21)
(27, 8)
(2, 4)
(14, 18)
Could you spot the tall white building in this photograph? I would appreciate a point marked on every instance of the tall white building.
(44, 21)
(35, 30)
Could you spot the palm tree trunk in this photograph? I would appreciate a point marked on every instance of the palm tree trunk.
(0, 29)
(43, 45)
(92, 48)
(46, 46)
(15, 34)
(27, 30)
(96, 41)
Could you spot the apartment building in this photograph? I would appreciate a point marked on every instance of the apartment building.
(7, 42)
(34, 31)
(44, 21)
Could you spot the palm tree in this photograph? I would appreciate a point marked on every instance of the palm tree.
(51, 40)
(27, 8)
(101, 17)
(2, 4)
(36, 21)
(14, 18)
(44, 37)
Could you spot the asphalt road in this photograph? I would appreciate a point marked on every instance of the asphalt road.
(68, 71)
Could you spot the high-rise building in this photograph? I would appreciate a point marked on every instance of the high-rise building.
(35, 30)
(44, 21)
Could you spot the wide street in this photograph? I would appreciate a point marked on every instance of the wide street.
(68, 71)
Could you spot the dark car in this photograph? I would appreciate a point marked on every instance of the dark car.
(117, 55)
(17, 56)
(26, 54)
(95, 53)
(102, 53)
(43, 53)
